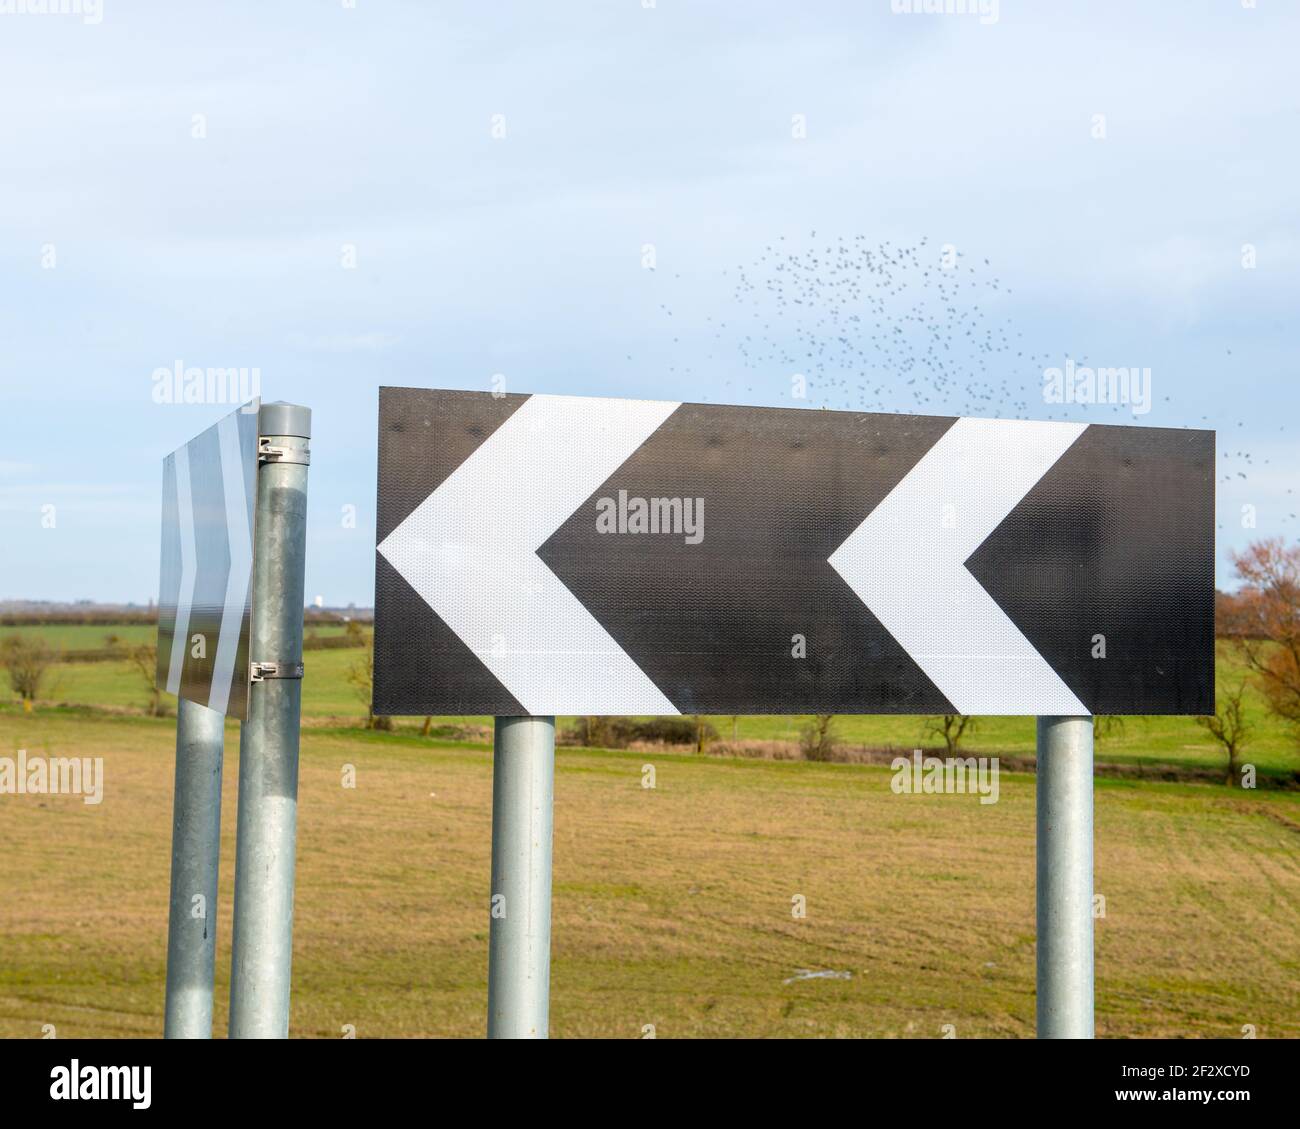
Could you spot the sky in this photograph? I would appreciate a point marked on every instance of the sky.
(599, 199)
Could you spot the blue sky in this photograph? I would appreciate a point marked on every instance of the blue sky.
(371, 127)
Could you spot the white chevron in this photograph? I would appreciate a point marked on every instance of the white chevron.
(470, 550)
(240, 545)
(906, 562)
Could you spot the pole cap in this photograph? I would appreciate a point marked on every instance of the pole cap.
(280, 418)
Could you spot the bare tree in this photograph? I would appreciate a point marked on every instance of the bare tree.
(951, 728)
(594, 732)
(1105, 726)
(819, 740)
(705, 734)
(361, 676)
(1228, 726)
(1268, 607)
(144, 658)
(27, 659)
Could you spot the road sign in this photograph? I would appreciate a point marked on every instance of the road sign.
(204, 611)
(565, 555)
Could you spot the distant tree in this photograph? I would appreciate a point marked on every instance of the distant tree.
(705, 734)
(819, 739)
(1106, 726)
(361, 676)
(27, 660)
(593, 732)
(951, 728)
(1231, 621)
(1269, 607)
(144, 659)
(1228, 726)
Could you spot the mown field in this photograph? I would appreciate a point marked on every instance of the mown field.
(672, 906)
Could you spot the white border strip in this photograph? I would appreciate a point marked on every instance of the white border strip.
(241, 562)
(189, 573)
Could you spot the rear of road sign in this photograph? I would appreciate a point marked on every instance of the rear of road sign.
(568, 555)
(205, 587)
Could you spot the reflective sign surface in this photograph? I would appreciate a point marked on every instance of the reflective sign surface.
(204, 593)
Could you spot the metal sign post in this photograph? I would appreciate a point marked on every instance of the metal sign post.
(1064, 873)
(262, 944)
(196, 853)
(519, 943)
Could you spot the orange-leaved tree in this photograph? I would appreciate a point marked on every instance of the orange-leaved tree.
(1269, 611)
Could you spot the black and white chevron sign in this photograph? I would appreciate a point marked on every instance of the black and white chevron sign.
(567, 555)
(204, 614)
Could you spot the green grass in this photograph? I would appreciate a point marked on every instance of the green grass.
(83, 636)
(92, 636)
(98, 636)
(1274, 748)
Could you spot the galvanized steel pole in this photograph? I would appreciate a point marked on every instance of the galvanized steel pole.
(1065, 953)
(196, 854)
(519, 944)
(262, 945)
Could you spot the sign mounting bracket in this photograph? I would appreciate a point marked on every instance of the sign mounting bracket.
(260, 672)
(267, 452)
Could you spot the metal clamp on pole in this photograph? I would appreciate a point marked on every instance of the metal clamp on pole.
(266, 839)
(259, 672)
(268, 452)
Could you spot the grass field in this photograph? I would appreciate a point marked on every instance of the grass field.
(672, 905)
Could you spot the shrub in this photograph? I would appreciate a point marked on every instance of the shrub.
(818, 740)
(620, 732)
(27, 659)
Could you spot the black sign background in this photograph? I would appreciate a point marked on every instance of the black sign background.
(1115, 539)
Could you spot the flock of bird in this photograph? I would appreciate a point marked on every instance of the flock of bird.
(883, 327)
